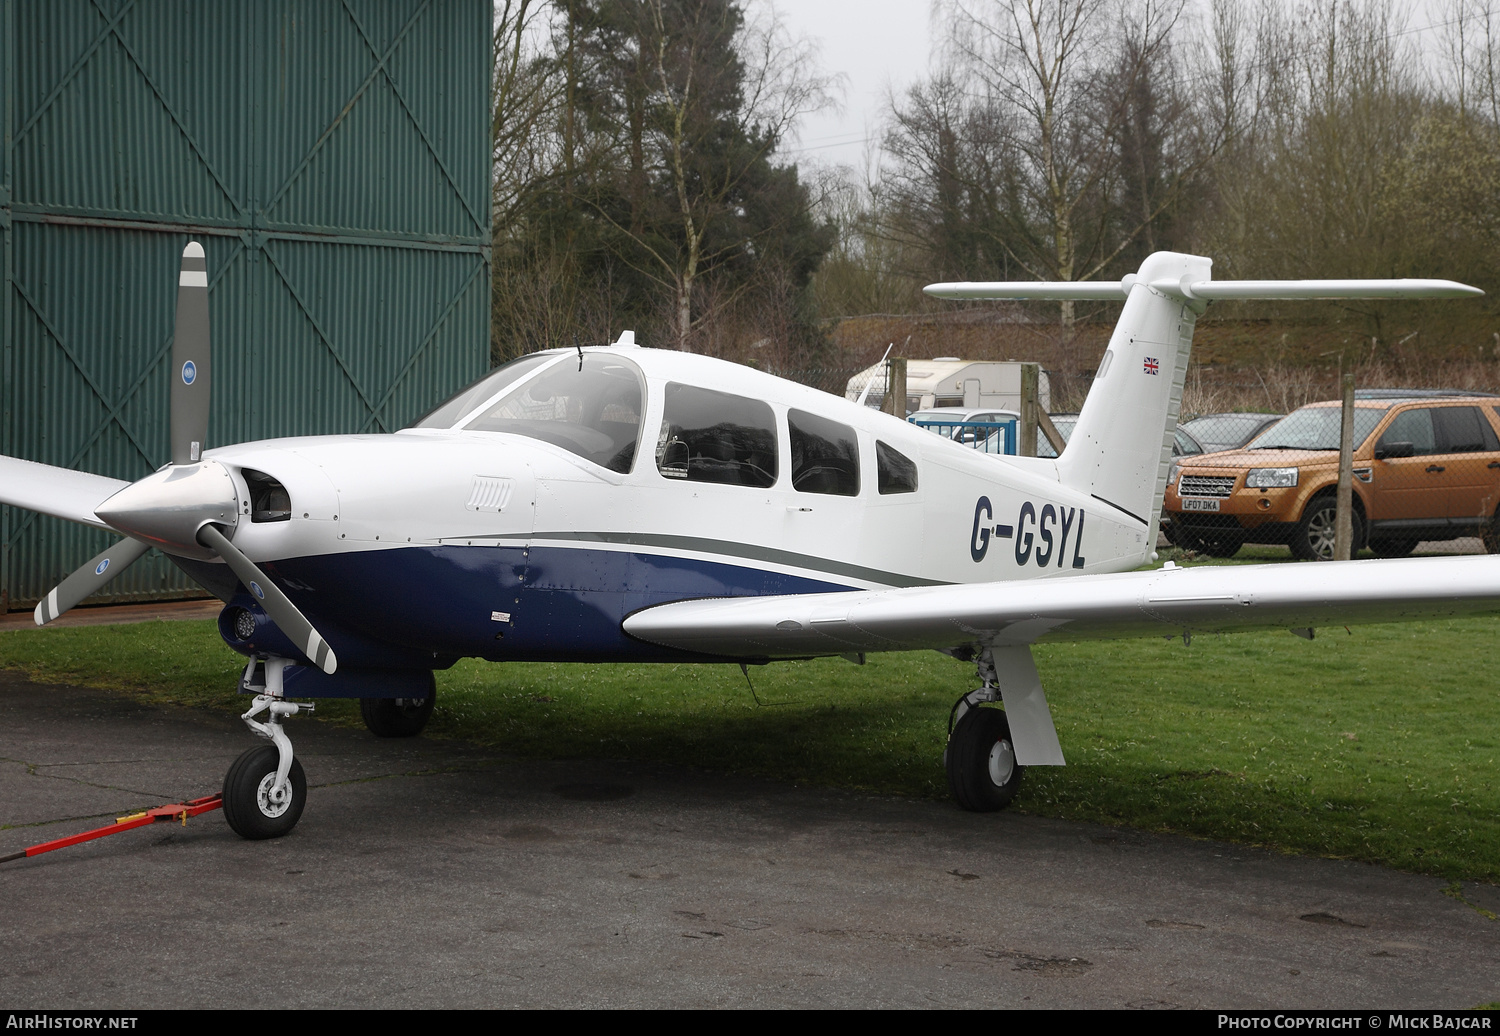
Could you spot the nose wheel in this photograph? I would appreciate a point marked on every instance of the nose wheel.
(265, 789)
(256, 804)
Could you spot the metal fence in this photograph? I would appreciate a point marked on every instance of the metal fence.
(984, 436)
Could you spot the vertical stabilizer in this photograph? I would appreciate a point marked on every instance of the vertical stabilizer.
(1121, 448)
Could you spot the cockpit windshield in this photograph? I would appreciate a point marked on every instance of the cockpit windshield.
(592, 408)
(452, 411)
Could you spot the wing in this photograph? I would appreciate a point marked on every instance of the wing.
(1166, 601)
(56, 491)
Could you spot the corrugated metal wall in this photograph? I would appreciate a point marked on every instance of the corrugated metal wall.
(331, 155)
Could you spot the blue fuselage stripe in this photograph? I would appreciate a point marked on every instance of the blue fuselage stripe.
(557, 603)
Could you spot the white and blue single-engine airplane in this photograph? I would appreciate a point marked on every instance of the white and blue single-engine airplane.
(629, 504)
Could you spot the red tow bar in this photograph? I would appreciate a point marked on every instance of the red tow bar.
(176, 811)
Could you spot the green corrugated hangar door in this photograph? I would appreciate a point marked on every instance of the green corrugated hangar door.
(331, 155)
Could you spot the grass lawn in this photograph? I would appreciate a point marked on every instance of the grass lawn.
(1377, 745)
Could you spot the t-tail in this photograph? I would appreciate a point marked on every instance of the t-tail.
(1121, 448)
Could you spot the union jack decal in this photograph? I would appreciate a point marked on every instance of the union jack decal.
(1152, 366)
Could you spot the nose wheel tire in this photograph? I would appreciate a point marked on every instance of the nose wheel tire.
(398, 717)
(252, 804)
(983, 774)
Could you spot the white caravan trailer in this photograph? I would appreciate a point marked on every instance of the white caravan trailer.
(949, 381)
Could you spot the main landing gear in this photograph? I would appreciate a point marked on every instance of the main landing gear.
(983, 774)
(265, 789)
(399, 717)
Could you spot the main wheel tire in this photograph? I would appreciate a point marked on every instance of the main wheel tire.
(399, 717)
(1489, 534)
(1314, 537)
(1218, 544)
(247, 801)
(1394, 548)
(983, 774)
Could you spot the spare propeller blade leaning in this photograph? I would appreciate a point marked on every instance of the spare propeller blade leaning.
(190, 359)
(94, 574)
(281, 610)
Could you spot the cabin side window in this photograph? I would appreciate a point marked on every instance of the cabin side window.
(825, 455)
(896, 473)
(709, 436)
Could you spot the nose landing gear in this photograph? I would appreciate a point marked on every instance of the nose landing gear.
(265, 789)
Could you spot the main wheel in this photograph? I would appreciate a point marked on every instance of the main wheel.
(1218, 544)
(982, 770)
(1393, 548)
(399, 717)
(250, 806)
(1489, 533)
(1314, 537)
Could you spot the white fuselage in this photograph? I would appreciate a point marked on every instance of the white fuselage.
(554, 522)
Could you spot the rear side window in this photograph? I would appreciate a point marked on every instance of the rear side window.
(709, 436)
(1413, 426)
(825, 455)
(1463, 429)
(896, 473)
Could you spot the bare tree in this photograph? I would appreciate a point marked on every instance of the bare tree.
(1470, 35)
(716, 95)
(521, 95)
(1066, 77)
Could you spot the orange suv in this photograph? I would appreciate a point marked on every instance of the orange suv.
(1426, 467)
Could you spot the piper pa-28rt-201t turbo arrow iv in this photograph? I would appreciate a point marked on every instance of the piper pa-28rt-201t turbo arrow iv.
(629, 504)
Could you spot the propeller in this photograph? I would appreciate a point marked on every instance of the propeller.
(88, 579)
(190, 355)
(281, 610)
(181, 507)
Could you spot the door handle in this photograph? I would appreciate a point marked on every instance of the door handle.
(1493, 464)
(1435, 467)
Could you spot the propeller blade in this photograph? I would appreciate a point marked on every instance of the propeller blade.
(281, 610)
(89, 578)
(190, 359)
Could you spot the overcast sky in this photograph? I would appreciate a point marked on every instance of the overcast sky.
(884, 45)
(876, 45)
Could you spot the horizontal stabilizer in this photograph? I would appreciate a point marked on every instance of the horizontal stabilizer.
(1019, 290)
(60, 492)
(1208, 291)
(1167, 602)
(1407, 288)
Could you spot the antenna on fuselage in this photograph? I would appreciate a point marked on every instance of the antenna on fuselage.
(871, 383)
(580, 350)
